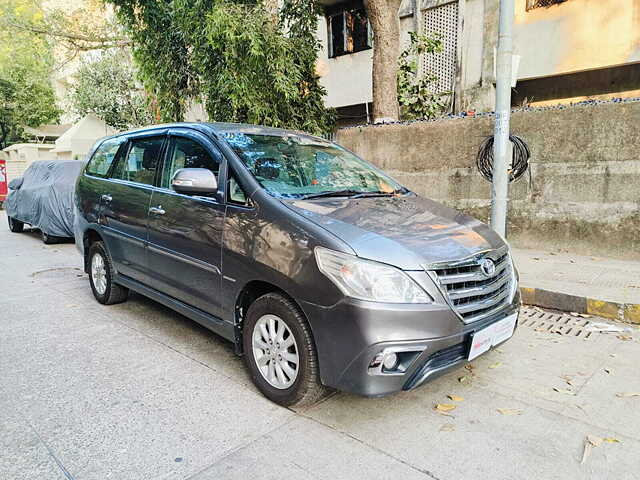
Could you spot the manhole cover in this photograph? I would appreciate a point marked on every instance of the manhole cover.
(554, 322)
(57, 272)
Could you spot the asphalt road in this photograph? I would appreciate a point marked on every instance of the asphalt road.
(136, 391)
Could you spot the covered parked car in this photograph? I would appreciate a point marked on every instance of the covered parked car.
(319, 267)
(43, 198)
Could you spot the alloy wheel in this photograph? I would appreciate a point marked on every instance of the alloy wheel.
(275, 351)
(99, 274)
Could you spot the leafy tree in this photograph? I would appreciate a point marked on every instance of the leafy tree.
(26, 94)
(237, 58)
(416, 93)
(107, 88)
(82, 26)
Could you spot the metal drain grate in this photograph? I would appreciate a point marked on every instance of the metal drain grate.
(553, 322)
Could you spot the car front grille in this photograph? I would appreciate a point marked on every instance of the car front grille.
(473, 294)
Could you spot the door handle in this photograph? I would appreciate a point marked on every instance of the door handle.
(157, 210)
(106, 198)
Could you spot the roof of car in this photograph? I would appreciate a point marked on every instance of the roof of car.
(219, 127)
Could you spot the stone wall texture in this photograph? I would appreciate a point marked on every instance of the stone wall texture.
(583, 195)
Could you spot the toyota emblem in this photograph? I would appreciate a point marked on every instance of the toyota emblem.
(487, 266)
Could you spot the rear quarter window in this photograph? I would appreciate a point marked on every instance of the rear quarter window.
(102, 159)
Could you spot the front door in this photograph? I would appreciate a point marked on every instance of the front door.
(125, 205)
(185, 231)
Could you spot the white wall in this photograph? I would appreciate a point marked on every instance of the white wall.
(347, 78)
(576, 35)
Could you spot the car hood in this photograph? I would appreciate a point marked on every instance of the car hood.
(409, 232)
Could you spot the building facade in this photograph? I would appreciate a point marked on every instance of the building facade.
(564, 51)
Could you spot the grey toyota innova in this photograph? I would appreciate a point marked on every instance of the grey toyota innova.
(320, 268)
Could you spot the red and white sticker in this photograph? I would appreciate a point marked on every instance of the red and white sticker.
(494, 334)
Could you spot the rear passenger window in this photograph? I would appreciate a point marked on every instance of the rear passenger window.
(141, 161)
(104, 156)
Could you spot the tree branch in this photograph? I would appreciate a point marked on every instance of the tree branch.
(95, 42)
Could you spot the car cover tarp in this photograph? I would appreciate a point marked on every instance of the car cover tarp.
(45, 197)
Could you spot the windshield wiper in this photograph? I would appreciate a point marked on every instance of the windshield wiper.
(379, 193)
(332, 193)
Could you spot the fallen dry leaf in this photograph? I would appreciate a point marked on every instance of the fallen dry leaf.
(510, 411)
(469, 367)
(447, 427)
(495, 365)
(593, 440)
(590, 442)
(445, 407)
(625, 338)
(628, 394)
(455, 398)
(464, 379)
(561, 390)
(611, 440)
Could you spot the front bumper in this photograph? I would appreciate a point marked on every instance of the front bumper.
(351, 333)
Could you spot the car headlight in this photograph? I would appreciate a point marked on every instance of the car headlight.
(369, 280)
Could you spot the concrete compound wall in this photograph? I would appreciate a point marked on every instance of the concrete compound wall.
(584, 194)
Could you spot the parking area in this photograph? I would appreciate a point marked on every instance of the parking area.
(136, 391)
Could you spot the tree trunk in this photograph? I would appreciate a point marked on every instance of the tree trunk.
(383, 15)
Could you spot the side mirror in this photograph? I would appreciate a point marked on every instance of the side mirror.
(194, 181)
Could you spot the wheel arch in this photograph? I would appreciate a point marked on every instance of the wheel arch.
(90, 236)
(249, 294)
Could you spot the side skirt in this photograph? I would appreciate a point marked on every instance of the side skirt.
(215, 324)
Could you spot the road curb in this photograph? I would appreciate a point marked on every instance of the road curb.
(625, 312)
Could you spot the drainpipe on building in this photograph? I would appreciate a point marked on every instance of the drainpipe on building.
(502, 147)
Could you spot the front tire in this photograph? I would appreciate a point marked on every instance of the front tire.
(280, 353)
(16, 226)
(101, 275)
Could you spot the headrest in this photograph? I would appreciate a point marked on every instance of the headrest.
(267, 167)
(150, 157)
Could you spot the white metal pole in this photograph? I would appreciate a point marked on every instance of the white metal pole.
(501, 150)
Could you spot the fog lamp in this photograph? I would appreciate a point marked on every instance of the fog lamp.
(390, 361)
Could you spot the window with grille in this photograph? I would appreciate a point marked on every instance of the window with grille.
(531, 4)
(348, 29)
(442, 20)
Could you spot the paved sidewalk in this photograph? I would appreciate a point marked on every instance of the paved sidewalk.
(575, 283)
(137, 392)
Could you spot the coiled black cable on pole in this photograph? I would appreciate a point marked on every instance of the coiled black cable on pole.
(520, 163)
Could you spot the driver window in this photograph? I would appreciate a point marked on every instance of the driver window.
(236, 193)
(187, 153)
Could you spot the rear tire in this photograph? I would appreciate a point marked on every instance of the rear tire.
(16, 226)
(273, 319)
(101, 275)
(48, 239)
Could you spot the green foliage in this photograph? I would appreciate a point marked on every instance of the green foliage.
(242, 63)
(416, 92)
(107, 88)
(26, 95)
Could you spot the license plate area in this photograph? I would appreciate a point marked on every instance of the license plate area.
(490, 336)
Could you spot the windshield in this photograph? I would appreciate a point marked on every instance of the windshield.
(297, 166)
